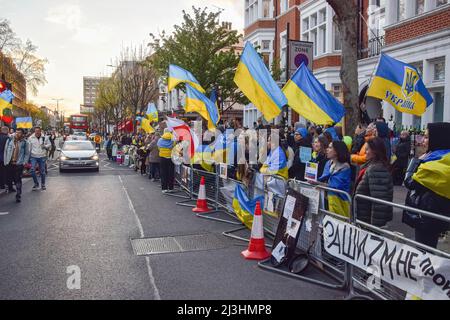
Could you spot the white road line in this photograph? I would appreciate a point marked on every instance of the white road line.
(141, 231)
(4, 213)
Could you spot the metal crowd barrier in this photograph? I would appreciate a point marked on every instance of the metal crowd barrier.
(387, 291)
(183, 179)
(311, 242)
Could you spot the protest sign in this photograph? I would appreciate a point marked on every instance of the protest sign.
(305, 154)
(311, 171)
(419, 273)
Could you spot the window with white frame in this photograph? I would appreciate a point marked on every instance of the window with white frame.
(441, 2)
(283, 55)
(401, 10)
(315, 29)
(439, 70)
(420, 6)
(284, 5)
(336, 90)
(265, 45)
(267, 6)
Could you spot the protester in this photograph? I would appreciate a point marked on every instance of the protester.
(115, 148)
(337, 175)
(3, 139)
(428, 181)
(39, 145)
(165, 146)
(359, 139)
(360, 157)
(16, 155)
(276, 162)
(319, 155)
(375, 180)
(108, 147)
(383, 132)
(154, 159)
(52, 138)
(402, 152)
(302, 140)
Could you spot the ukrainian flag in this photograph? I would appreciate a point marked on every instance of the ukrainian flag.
(244, 207)
(307, 96)
(225, 148)
(178, 75)
(204, 157)
(198, 102)
(433, 173)
(152, 112)
(401, 86)
(6, 98)
(255, 81)
(146, 126)
(276, 164)
(339, 180)
(24, 123)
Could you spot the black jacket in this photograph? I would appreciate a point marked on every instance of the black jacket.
(321, 160)
(358, 142)
(3, 140)
(402, 152)
(376, 183)
(423, 198)
(297, 170)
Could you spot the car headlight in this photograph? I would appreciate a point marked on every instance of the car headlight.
(95, 158)
(64, 158)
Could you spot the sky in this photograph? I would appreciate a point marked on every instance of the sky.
(81, 37)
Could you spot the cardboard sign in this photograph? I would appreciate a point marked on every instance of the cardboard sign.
(305, 154)
(311, 171)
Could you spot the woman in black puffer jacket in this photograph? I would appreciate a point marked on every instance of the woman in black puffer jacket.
(375, 181)
(428, 180)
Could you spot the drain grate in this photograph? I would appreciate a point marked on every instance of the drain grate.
(177, 244)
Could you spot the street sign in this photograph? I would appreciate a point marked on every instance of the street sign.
(300, 52)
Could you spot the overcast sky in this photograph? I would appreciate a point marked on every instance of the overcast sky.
(81, 37)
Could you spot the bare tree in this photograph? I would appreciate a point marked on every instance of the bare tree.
(8, 38)
(30, 65)
(347, 13)
(108, 105)
(138, 81)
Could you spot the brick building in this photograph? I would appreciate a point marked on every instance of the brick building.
(414, 31)
(9, 73)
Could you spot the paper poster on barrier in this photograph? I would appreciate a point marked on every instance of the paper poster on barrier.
(314, 198)
(421, 274)
(223, 170)
(126, 161)
(178, 169)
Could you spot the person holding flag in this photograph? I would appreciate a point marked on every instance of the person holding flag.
(428, 181)
(165, 146)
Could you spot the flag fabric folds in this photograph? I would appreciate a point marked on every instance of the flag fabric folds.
(146, 126)
(401, 86)
(433, 173)
(256, 82)
(276, 164)
(24, 123)
(245, 207)
(184, 133)
(152, 112)
(307, 96)
(198, 102)
(6, 98)
(178, 75)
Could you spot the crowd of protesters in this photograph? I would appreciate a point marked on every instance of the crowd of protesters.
(366, 163)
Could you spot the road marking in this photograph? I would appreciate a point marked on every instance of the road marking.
(4, 213)
(141, 231)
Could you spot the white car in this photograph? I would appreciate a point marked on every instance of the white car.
(78, 136)
(78, 155)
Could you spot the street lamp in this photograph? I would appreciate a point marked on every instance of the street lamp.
(57, 108)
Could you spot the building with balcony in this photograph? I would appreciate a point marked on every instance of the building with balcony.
(10, 74)
(416, 32)
(413, 31)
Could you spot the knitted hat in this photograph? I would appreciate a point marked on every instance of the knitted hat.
(439, 136)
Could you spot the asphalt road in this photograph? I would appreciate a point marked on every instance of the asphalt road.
(87, 219)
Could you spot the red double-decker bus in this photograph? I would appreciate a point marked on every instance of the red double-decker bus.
(79, 123)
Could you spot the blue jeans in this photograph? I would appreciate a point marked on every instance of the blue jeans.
(41, 162)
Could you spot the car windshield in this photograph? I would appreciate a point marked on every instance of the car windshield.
(78, 146)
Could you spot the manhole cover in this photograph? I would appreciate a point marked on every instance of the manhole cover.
(198, 242)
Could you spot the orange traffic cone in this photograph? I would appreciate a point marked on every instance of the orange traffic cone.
(202, 204)
(257, 247)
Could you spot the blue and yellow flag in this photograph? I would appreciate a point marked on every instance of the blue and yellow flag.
(434, 173)
(198, 102)
(6, 98)
(244, 207)
(339, 180)
(255, 81)
(146, 126)
(204, 157)
(276, 164)
(152, 112)
(401, 86)
(178, 75)
(307, 96)
(24, 123)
